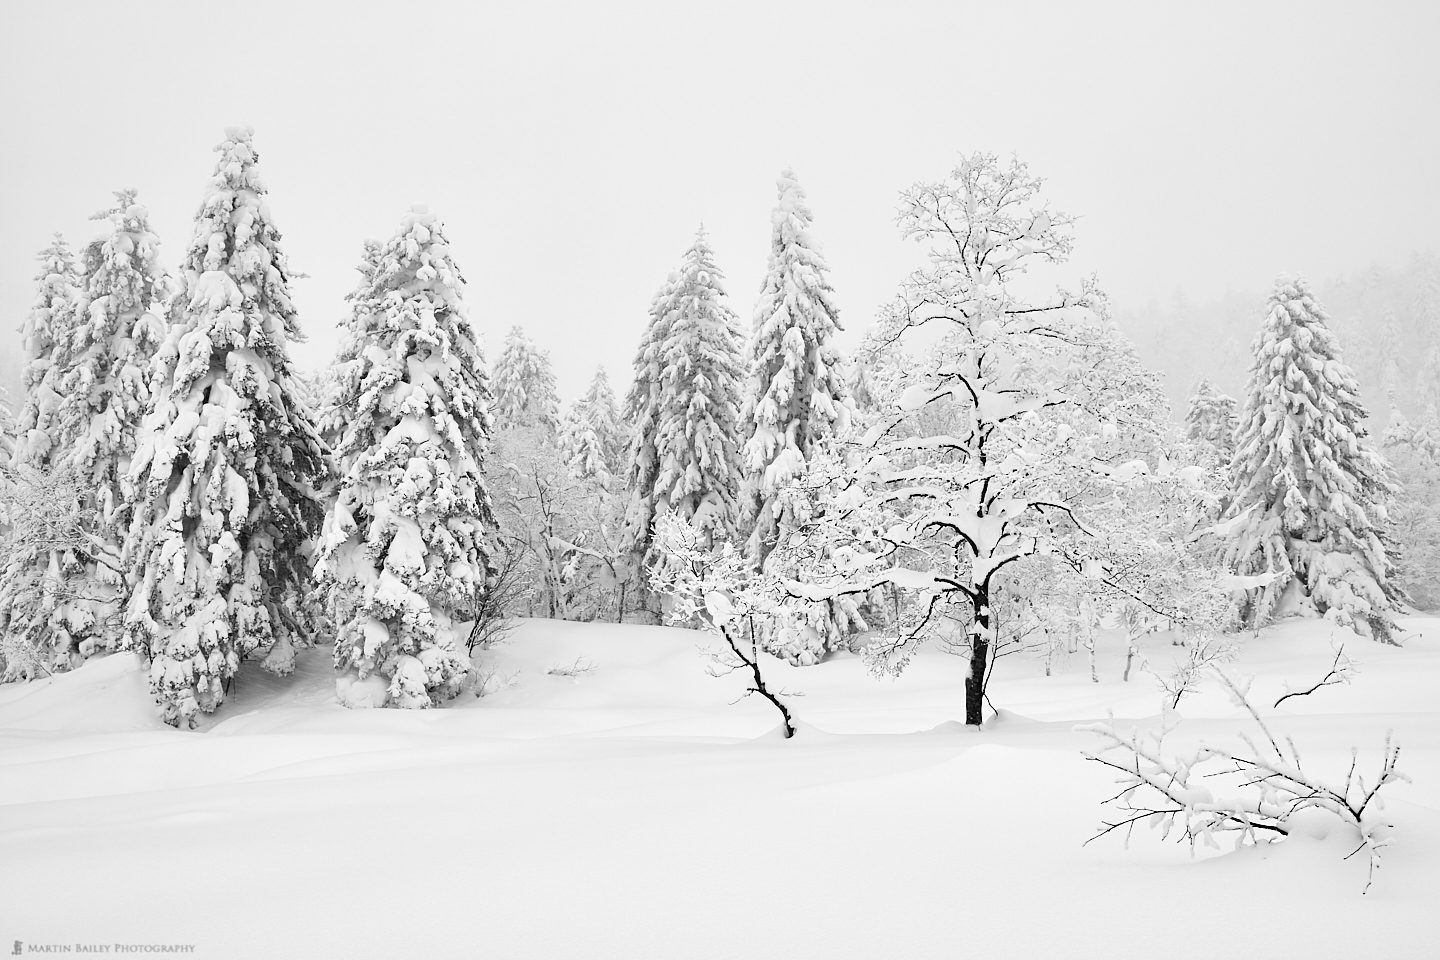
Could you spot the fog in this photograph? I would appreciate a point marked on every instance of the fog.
(573, 150)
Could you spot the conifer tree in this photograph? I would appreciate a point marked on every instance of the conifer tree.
(228, 462)
(594, 437)
(1211, 419)
(406, 553)
(118, 329)
(1308, 490)
(39, 614)
(46, 340)
(797, 393)
(525, 385)
(72, 590)
(682, 407)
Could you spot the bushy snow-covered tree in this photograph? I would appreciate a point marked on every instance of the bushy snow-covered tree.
(1309, 491)
(594, 438)
(524, 385)
(46, 340)
(683, 408)
(797, 393)
(41, 613)
(1211, 420)
(406, 551)
(71, 594)
(228, 461)
(1000, 434)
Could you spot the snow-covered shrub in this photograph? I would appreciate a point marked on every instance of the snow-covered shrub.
(561, 526)
(715, 585)
(1257, 794)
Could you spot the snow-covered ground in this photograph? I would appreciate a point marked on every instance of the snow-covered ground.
(631, 810)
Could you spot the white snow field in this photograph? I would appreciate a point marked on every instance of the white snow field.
(631, 811)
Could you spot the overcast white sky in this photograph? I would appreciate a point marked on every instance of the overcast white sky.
(573, 148)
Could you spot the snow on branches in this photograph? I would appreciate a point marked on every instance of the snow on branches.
(1312, 491)
(1021, 430)
(1256, 794)
(797, 394)
(228, 461)
(405, 556)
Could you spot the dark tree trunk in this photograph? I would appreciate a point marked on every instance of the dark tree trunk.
(979, 655)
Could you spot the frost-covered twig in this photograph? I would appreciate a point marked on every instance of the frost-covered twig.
(716, 586)
(1341, 671)
(1267, 786)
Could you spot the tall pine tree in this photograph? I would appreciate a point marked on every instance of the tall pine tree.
(682, 406)
(228, 461)
(41, 619)
(797, 393)
(406, 553)
(1308, 490)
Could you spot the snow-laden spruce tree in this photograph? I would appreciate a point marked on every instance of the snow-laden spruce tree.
(683, 407)
(594, 438)
(405, 557)
(228, 461)
(40, 614)
(45, 337)
(797, 395)
(1211, 420)
(74, 589)
(524, 382)
(1308, 490)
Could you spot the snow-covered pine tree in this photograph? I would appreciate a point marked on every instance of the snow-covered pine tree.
(228, 462)
(102, 394)
(119, 326)
(682, 407)
(524, 385)
(1308, 491)
(1211, 420)
(594, 437)
(797, 394)
(406, 554)
(46, 340)
(39, 615)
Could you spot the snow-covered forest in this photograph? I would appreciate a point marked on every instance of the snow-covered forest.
(1004, 582)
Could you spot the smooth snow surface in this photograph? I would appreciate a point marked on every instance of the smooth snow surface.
(631, 811)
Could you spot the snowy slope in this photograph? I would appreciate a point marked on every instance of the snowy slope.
(632, 811)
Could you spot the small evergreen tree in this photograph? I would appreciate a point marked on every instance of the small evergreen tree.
(1211, 420)
(1308, 491)
(406, 553)
(46, 340)
(797, 394)
(228, 462)
(593, 436)
(525, 385)
(682, 406)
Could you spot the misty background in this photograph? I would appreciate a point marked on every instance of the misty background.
(573, 149)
